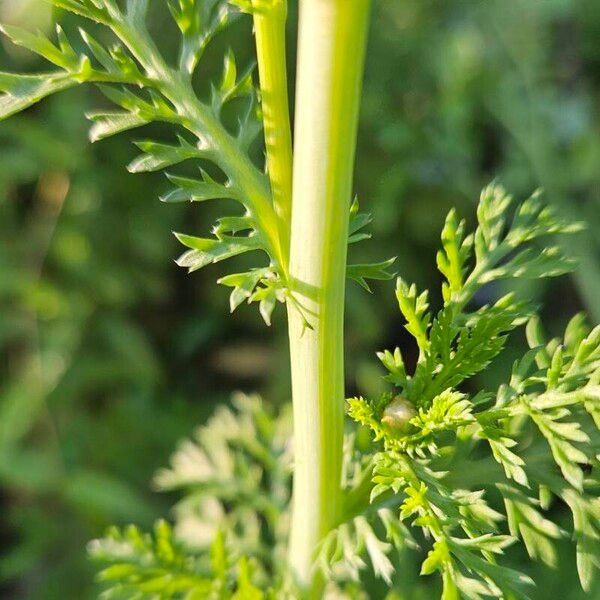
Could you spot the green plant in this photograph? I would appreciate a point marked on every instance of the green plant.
(437, 450)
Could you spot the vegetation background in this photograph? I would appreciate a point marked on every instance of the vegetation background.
(109, 354)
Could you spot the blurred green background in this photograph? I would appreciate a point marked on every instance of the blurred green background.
(109, 354)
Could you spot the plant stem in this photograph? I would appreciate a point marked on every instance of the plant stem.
(269, 29)
(332, 39)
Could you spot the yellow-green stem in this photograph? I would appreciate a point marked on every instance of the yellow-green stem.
(332, 39)
(269, 29)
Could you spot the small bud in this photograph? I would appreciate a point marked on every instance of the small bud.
(398, 413)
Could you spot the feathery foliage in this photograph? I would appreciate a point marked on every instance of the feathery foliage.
(149, 566)
(134, 76)
(433, 434)
(231, 524)
(235, 475)
(439, 452)
(439, 460)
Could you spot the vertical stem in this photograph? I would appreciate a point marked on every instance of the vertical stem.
(332, 39)
(269, 29)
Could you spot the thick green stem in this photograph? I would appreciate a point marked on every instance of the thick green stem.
(332, 39)
(269, 29)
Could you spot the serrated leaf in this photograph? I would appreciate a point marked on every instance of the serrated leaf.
(108, 124)
(197, 190)
(358, 221)
(414, 308)
(230, 86)
(198, 23)
(375, 271)
(456, 250)
(158, 156)
(376, 549)
(23, 91)
(434, 560)
(205, 251)
(98, 51)
(41, 45)
(141, 565)
(243, 285)
(266, 307)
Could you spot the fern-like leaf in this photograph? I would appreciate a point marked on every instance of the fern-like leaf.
(440, 448)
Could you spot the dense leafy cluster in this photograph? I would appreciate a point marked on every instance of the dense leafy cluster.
(231, 524)
(235, 474)
(155, 566)
(434, 460)
(369, 534)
